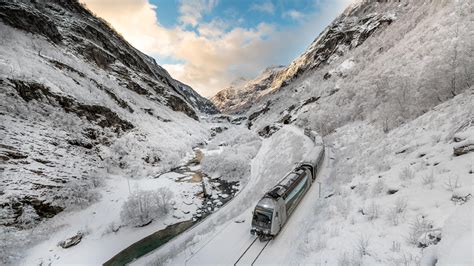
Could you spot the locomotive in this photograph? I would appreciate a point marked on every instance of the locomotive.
(276, 206)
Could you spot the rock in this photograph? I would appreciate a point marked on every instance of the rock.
(102, 115)
(29, 20)
(430, 238)
(463, 147)
(269, 130)
(72, 241)
(80, 143)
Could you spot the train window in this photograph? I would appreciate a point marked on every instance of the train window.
(263, 217)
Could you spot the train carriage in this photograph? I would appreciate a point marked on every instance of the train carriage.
(274, 209)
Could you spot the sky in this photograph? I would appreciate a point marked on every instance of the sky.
(207, 44)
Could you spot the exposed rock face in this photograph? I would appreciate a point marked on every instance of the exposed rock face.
(67, 22)
(197, 101)
(102, 115)
(21, 17)
(243, 93)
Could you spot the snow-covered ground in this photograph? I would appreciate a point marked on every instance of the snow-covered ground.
(277, 155)
(98, 221)
(386, 199)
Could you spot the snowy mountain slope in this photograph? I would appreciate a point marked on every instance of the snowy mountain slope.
(79, 105)
(422, 59)
(358, 22)
(197, 101)
(243, 93)
(424, 35)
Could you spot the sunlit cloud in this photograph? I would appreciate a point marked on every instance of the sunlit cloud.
(191, 12)
(266, 7)
(216, 52)
(293, 14)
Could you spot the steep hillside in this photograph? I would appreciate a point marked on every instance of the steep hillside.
(243, 93)
(378, 36)
(78, 104)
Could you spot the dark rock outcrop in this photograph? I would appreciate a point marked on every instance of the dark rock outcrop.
(101, 115)
(30, 20)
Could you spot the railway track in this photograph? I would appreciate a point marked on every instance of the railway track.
(252, 252)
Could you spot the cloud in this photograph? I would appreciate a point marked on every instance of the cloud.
(293, 14)
(217, 52)
(191, 11)
(265, 7)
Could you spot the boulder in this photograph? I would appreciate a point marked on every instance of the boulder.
(72, 241)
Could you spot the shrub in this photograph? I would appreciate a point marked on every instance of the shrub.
(393, 216)
(373, 211)
(406, 174)
(142, 206)
(452, 183)
(79, 193)
(28, 218)
(396, 246)
(418, 228)
(401, 205)
(378, 187)
(362, 245)
(428, 180)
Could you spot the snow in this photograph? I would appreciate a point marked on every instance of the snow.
(99, 243)
(391, 181)
(268, 167)
(456, 247)
(368, 212)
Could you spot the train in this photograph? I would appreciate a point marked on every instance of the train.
(275, 208)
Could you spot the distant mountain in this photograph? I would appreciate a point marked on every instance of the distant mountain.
(243, 92)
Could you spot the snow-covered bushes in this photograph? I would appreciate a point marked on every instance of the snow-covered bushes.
(239, 146)
(397, 212)
(80, 193)
(428, 180)
(136, 155)
(378, 187)
(406, 174)
(142, 206)
(373, 211)
(419, 227)
(28, 218)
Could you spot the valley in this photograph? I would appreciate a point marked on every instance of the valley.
(106, 158)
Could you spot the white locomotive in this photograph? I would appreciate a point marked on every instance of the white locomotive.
(274, 209)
